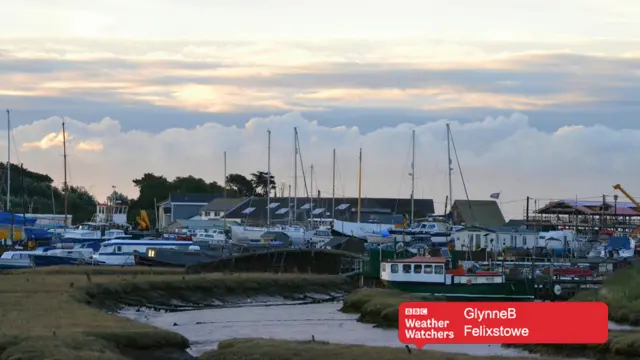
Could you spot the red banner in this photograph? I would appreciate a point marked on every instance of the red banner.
(422, 323)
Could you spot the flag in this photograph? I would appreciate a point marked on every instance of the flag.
(495, 196)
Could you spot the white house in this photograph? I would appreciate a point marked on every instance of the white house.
(496, 239)
(218, 208)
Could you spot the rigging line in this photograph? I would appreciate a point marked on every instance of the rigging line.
(304, 178)
(339, 173)
(395, 210)
(464, 185)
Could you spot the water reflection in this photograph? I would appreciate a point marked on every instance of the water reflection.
(206, 328)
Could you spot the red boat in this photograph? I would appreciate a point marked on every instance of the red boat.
(569, 272)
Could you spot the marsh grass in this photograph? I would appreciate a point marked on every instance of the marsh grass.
(62, 308)
(379, 306)
(263, 349)
(619, 293)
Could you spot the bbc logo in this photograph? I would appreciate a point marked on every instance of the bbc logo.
(415, 311)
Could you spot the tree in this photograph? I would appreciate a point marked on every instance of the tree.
(240, 186)
(262, 183)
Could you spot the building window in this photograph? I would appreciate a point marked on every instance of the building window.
(394, 268)
(406, 268)
(439, 269)
(417, 269)
(428, 269)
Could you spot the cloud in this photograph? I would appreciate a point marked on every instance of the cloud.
(268, 77)
(503, 153)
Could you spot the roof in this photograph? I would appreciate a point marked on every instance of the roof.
(345, 209)
(478, 212)
(589, 208)
(190, 198)
(515, 223)
(195, 223)
(223, 204)
(421, 259)
(500, 229)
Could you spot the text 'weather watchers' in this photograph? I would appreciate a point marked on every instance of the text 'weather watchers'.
(422, 323)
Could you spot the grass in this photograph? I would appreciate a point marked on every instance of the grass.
(379, 306)
(263, 349)
(61, 309)
(620, 295)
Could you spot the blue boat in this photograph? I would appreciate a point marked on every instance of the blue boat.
(42, 260)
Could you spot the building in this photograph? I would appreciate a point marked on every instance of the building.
(254, 210)
(182, 206)
(495, 239)
(184, 224)
(485, 213)
(586, 215)
(217, 208)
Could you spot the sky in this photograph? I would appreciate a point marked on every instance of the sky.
(542, 96)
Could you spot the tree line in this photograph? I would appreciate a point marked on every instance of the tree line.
(33, 192)
(155, 188)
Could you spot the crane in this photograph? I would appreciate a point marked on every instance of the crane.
(634, 234)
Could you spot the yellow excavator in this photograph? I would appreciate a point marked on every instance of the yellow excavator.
(143, 221)
(636, 232)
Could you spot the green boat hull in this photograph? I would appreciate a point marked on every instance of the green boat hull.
(521, 290)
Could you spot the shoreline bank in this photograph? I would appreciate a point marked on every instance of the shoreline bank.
(379, 307)
(63, 312)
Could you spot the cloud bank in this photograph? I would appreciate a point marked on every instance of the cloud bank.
(502, 154)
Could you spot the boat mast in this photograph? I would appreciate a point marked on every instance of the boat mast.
(359, 185)
(8, 160)
(295, 174)
(449, 167)
(65, 185)
(311, 197)
(333, 193)
(413, 175)
(268, 189)
(9, 172)
(224, 158)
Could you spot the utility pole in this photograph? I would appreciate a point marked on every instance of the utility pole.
(333, 194)
(268, 189)
(65, 185)
(526, 214)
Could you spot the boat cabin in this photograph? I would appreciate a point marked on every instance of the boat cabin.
(435, 270)
(120, 252)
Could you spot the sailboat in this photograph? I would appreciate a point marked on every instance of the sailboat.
(252, 234)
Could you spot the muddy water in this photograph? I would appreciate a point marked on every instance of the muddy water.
(206, 328)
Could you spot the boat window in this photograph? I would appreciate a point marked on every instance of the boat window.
(118, 248)
(417, 269)
(383, 266)
(428, 269)
(439, 269)
(394, 268)
(406, 268)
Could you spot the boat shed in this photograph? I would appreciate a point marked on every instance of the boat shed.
(178, 225)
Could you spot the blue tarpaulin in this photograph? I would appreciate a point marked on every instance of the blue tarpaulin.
(619, 242)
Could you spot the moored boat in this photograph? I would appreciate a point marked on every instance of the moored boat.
(439, 276)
